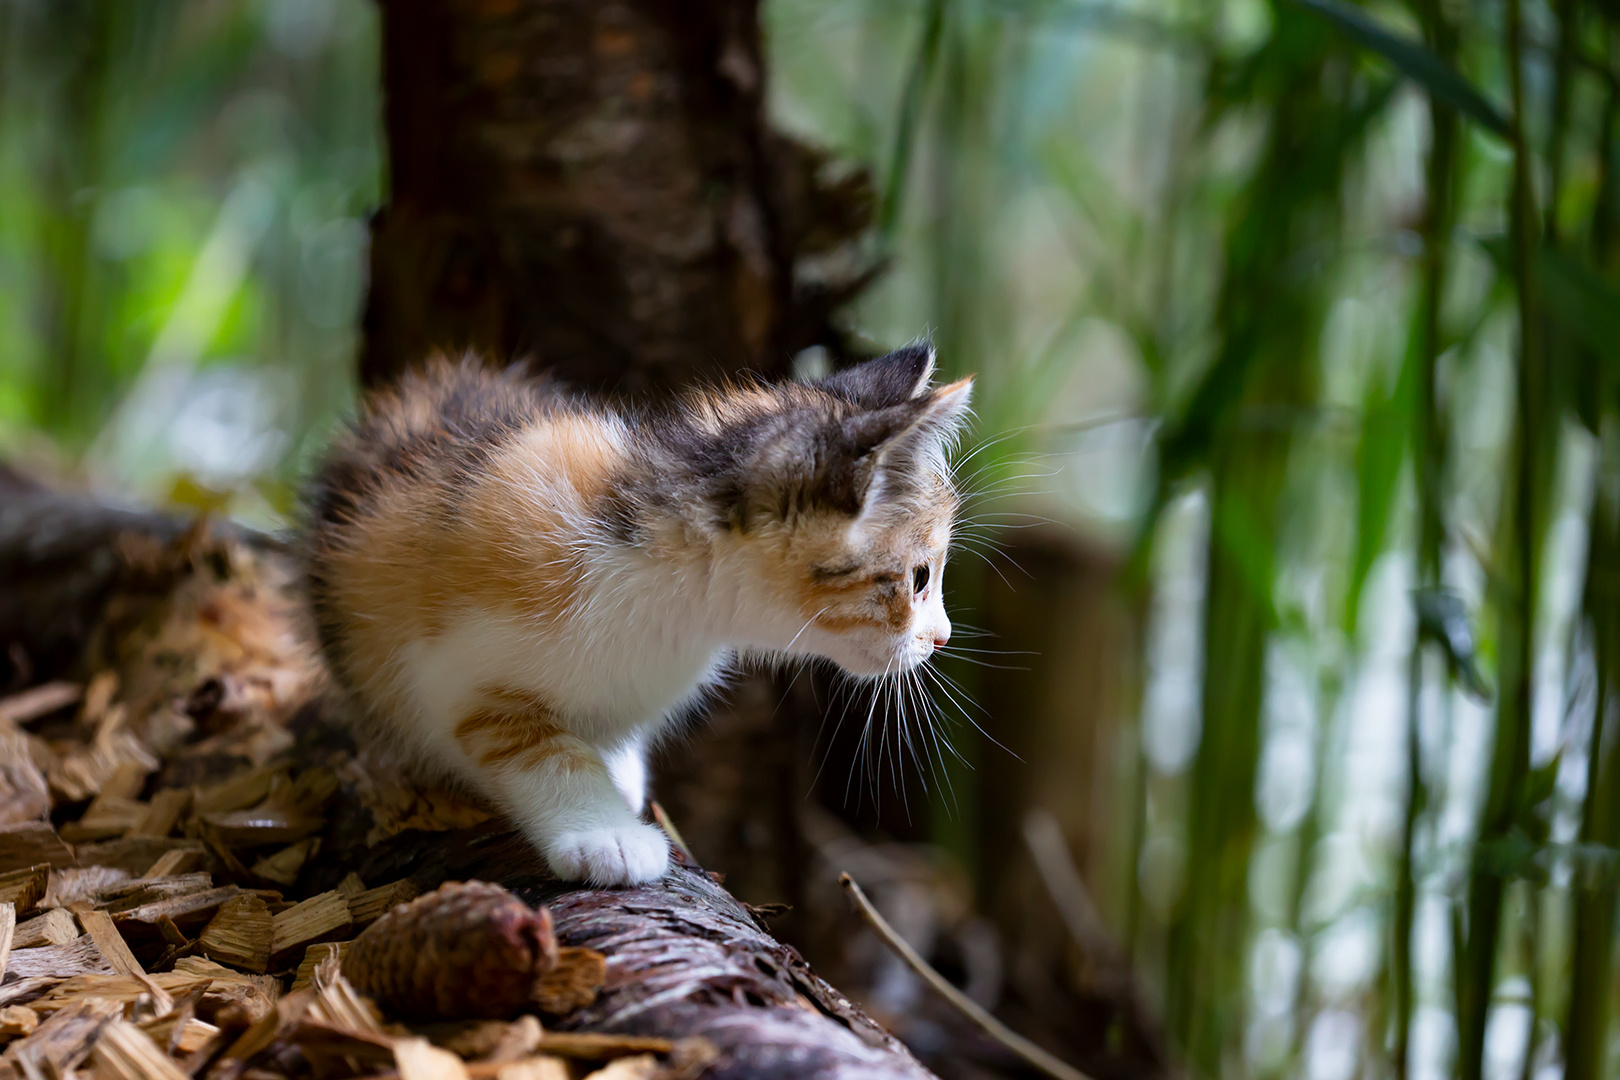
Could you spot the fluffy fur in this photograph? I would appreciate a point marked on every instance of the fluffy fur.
(519, 587)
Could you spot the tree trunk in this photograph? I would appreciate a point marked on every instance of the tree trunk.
(591, 184)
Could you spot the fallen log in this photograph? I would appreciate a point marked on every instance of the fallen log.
(234, 838)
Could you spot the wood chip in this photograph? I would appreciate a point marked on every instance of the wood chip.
(191, 911)
(640, 1067)
(489, 1040)
(337, 1003)
(219, 987)
(521, 1039)
(55, 927)
(186, 1035)
(31, 843)
(573, 982)
(419, 1059)
(320, 918)
(99, 925)
(283, 866)
(259, 827)
(594, 1046)
(369, 906)
(124, 782)
(283, 1015)
(330, 1048)
(107, 817)
(25, 888)
(135, 854)
(63, 1041)
(178, 860)
(17, 1021)
(162, 814)
(81, 886)
(314, 956)
(137, 892)
(26, 990)
(255, 993)
(239, 934)
(81, 956)
(8, 929)
(98, 696)
(24, 794)
(535, 1068)
(84, 769)
(125, 1052)
(42, 700)
(239, 792)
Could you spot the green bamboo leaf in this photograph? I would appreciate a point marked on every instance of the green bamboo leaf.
(1380, 453)
(1581, 301)
(1443, 618)
(1414, 60)
(1573, 295)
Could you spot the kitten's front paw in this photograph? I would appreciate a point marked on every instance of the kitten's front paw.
(611, 855)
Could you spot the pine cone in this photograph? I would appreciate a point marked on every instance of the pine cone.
(466, 950)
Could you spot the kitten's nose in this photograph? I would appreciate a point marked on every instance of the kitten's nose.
(942, 638)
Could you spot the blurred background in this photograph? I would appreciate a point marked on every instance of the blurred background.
(1282, 740)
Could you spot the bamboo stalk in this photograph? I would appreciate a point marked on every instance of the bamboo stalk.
(1511, 752)
(1592, 946)
(1428, 453)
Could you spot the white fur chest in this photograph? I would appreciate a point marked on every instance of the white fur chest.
(608, 672)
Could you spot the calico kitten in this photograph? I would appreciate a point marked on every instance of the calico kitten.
(518, 588)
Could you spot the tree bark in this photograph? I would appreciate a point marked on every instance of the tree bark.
(592, 185)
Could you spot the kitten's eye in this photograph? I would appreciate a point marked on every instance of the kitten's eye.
(919, 579)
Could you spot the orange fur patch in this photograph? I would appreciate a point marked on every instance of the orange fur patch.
(520, 731)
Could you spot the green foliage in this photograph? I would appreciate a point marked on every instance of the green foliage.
(182, 191)
(1273, 204)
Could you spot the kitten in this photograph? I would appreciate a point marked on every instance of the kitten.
(518, 587)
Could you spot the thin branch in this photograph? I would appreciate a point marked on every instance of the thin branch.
(963, 1004)
(1067, 889)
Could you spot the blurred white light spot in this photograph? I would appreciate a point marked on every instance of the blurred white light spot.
(1333, 1046)
(226, 428)
(812, 364)
(1286, 780)
(1507, 1033)
(1347, 955)
(1434, 1041)
(1171, 722)
(1266, 1042)
(1274, 967)
(1338, 869)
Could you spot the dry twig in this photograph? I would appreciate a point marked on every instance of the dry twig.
(1001, 1033)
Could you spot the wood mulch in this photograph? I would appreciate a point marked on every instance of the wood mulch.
(189, 848)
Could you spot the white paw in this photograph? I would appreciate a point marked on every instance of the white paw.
(610, 855)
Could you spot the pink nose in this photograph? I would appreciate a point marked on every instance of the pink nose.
(942, 640)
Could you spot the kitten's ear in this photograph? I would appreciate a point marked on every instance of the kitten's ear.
(914, 449)
(887, 381)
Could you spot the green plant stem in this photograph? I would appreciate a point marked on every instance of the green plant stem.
(1586, 1031)
(918, 78)
(1511, 751)
(1428, 456)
